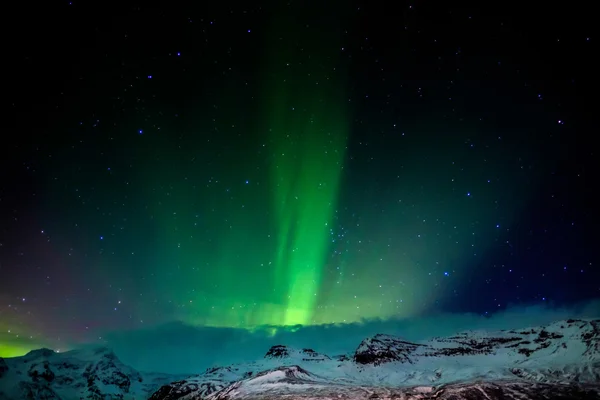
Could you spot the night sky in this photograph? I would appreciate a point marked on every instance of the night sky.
(267, 165)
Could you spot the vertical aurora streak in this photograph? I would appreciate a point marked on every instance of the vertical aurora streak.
(308, 129)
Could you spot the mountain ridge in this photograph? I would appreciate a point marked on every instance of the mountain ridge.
(89, 373)
(561, 360)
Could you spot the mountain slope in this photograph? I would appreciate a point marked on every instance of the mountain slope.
(79, 374)
(561, 360)
(295, 383)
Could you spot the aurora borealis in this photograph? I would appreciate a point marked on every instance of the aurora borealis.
(289, 165)
(308, 127)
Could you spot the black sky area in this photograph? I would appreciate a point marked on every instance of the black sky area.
(469, 179)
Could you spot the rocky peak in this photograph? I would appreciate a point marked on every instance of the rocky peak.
(39, 353)
(591, 338)
(277, 352)
(384, 348)
(91, 373)
(289, 372)
(548, 340)
(191, 388)
(311, 355)
(280, 352)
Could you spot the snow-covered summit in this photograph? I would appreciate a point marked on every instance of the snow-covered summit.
(90, 373)
(560, 359)
(571, 341)
(281, 380)
(385, 348)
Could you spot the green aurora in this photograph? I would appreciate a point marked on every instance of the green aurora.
(308, 125)
(255, 206)
(304, 118)
(250, 271)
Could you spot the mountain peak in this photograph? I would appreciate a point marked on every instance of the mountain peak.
(383, 348)
(280, 352)
(40, 353)
(559, 359)
(90, 372)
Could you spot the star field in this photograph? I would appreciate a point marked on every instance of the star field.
(292, 164)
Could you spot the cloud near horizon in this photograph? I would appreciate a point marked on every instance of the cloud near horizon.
(177, 347)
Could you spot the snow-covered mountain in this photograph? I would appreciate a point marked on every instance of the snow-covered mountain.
(80, 374)
(558, 361)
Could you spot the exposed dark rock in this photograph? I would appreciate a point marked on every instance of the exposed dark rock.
(41, 371)
(510, 391)
(81, 374)
(531, 332)
(384, 348)
(106, 372)
(280, 352)
(299, 384)
(277, 351)
(592, 339)
(3, 367)
(527, 352)
(343, 357)
(64, 380)
(37, 391)
(66, 366)
(219, 370)
(175, 390)
(311, 355)
(179, 389)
